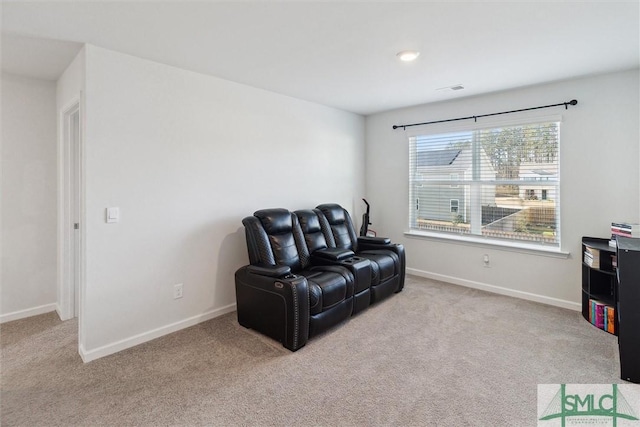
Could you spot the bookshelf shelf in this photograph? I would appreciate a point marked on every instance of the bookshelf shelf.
(599, 284)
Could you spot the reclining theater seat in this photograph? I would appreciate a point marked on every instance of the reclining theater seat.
(322, 254)
(280, 294)
(387, 259)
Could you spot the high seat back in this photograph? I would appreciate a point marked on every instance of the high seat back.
(337, 225)
(274, 237)
(314, 236)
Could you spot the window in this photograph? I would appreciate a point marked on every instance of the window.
(499, 183)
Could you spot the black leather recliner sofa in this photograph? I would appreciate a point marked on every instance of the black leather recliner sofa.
(305, 276)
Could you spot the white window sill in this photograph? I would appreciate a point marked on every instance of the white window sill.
(534, 249)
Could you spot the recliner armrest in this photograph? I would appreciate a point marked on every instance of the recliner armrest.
(374, 240)
(275, 306)
(270, 270)
(334, 254)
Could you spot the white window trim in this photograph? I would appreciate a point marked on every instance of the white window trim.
(479, 241)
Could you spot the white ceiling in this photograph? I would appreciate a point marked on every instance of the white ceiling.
(341, 54)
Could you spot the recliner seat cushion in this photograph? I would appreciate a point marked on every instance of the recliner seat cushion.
(326, 289)
(384, 261)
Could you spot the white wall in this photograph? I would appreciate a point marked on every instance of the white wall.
(185, 157)
(28, 197)
(599, 173)
(71, 82)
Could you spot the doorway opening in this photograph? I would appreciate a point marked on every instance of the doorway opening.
(71, 202)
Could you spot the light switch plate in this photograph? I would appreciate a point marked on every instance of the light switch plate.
(113, 215)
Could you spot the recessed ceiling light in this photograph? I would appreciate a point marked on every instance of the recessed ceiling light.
(408, 55)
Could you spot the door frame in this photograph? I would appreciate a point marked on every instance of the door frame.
(70, 291)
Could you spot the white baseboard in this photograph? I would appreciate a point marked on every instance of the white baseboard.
(60, 312)
(89, 355)
(497, 289)
(21, 314)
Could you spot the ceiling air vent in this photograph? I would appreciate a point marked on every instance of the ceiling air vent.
(454, 87)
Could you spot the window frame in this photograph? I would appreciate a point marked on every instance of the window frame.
(518, 119)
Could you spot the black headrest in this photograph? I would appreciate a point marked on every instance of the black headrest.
(308, 221)
(333, 212)
(275, 221)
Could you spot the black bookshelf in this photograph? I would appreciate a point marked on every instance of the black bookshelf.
(628, 275)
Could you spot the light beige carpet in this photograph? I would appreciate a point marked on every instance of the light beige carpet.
(434, 355)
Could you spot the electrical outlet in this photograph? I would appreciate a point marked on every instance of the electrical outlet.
(485, 259)
(177, 291)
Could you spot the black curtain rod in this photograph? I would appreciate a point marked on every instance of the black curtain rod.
(475, 118)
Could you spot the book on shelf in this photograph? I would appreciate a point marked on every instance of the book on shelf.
(597, 313)
(610, 319)
(625, 233)
(628, 225)
(593, 252)
(602, 316)
(625, 229)
(591, 257)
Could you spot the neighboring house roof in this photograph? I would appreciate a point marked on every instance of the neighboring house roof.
(437, 157)
(538, 171)
(542, 172)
